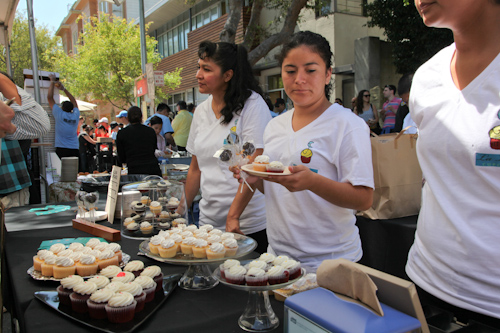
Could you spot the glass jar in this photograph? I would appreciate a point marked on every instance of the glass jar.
(152, 205)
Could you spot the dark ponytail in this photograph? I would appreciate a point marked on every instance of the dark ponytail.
(231, 56)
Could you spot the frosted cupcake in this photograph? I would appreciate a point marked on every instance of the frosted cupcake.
(292, 267)
(124, 277)
(275, 167)
(173, 203)
(187, 245)
(236, 275)
(66, 288)
(81, 293)
(207, 227)
(268, 258)
(216, 232)
(154, 244)
(201, 234)
(40, 258)
(48, 265)
(110, 271)
(135, 266)
(192, 227)
(143, 187)
(178, 240)
(133, 226)
(164, 225)
(226, 235)
(260, 163)
(216, 251)
(178, 221)
(97, 303)
(76, 247)
(101, 246)
(135, 290)
(155, 273)
(114, 286)
(139, 207)
(100, 281)
(277, 274)
(231, 246)
(200, 248)
(146, 228)
(145, 200)
(76, 257)
(87, 265)
(226, 265)
(279, 260)
(93, 242)
(127, 221)
(168, 248)
(64, 267)
(106, 258)
(56, 248)
(117, 249)
(174, 215)
(256, 277)
(186, 234)
(155, 207)
(121, 307)
(257, 264)
(148, 286)
(213, 239)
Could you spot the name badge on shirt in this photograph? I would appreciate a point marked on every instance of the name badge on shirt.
(488, 160)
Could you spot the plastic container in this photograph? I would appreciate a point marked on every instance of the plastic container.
(169, 207)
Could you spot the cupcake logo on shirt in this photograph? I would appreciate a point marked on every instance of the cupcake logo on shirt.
(495, 137)
(306, 154)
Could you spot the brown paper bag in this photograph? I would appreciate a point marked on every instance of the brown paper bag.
(397, 176)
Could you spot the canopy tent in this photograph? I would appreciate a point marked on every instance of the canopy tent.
(7, 13)
(82, 106)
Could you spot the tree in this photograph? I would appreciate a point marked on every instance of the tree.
(255, 34)
(413, 43)
(107, 61)
(20, 48)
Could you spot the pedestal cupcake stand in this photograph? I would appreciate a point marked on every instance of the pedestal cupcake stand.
(258, 315)
(198, 276)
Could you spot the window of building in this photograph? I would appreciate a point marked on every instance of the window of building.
(325, 7)
(274, 82)
(75, 41)
(173, 36)
(117, 10)
(103, 7)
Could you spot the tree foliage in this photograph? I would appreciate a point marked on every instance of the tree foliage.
(20, 48)
(108, 60)
(413, 43)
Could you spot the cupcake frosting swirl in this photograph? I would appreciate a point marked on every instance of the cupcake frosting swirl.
(101, 246)
(199, 242)
(132, 287)
(289, 264)
(156, 240)
(145, 281)
(257, 263)
(213, 239)
(231, 263)
(71, 281)
(230, 243)
(167, 243)
(216, 232)
(226, 235)
(58, 247)
(124, 277)
(189, 241)
(267, 257)
(110, 271)
(237, 270)
(191, 227)
(100, 281)
(42, 254)
(92, 242)
(145, 225)
(254, 271)
(276, 271)
(50, 260)
(186, 234)
(151, 271)
(134, 265)
(64, 262)
(279, 260)
(115, 247)
(121, 299)
(262, 159)
(85, 288)
(65, 253)
(207, 227)
(106, 254)
(76, 246)
(216, 247)
(176, 238)
(102, 295)
(114, 286)
(76, 256)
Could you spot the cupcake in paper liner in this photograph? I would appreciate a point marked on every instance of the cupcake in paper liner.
(121, 308)
(226, 265)
(256, 277)
(97, 303)
(81, 293)
(135, 290)
(66, 288)
(277, 275)
(148, 286)
(236, 275)
(156, 274)
(275, 167)
(293, 268)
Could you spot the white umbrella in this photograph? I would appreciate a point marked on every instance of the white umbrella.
(82, 106)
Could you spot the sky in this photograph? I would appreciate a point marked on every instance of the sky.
(49, 12)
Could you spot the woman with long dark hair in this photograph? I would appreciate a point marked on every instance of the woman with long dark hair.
(235, 105)
(86, 149)
(310, 212)
(366, 110)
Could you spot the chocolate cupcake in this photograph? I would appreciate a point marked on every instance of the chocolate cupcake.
(66, 288)
(121, 307)
(81, 293)
(97, 303)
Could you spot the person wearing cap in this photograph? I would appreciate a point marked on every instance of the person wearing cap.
(181, 125)
(114, 129)
(280, 106)
(121, 118)
(102, 122)
(66, 118)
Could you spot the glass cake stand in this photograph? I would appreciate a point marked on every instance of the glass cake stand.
(198, 276)
(258, 315)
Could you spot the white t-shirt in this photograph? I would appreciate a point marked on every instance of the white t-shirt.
(456, 253)
(302, 225)
(218, 186)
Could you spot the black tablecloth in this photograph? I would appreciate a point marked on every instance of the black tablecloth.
(385, 246)
(214, 310)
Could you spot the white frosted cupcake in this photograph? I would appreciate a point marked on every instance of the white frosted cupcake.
(277, 274)
(97, 303)
(100, 281)
(124, 277)
(148, 286)
(226, 265)
(155, 273)
(275, 167)
(154, 244)
(56, 248)
(135, 290)
(256, 277)
(260, 163)
(216, 251)
(121, 307)
(135, 266)
(231, 246)
(110, 271)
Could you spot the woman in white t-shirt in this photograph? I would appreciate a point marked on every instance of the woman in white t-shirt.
(235, 105)
(310, 213)
(455, 103)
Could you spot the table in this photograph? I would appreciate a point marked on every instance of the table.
(213, 310)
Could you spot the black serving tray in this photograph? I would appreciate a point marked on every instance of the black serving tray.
(52, 300)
